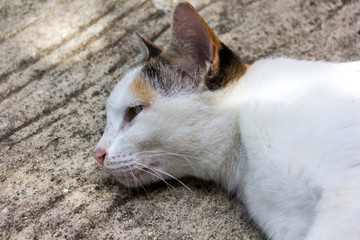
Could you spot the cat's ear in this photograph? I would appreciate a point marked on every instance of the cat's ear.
(148, 49)
(194, 46)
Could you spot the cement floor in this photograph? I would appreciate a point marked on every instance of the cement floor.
(58, 62)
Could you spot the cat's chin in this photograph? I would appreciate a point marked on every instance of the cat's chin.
(135, 183)
(130, 182)
(134, 178)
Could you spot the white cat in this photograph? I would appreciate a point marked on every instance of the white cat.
(282, 134)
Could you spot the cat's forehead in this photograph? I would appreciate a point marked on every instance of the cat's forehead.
(165, 76)
(155, 78)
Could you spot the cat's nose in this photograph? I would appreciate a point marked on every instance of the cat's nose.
(99, 155)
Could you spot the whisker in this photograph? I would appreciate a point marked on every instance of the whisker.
(127, 181)
(184, 156)
(135, 178)
(172, 154)
(155, 174)
(156, 171)
(168, 174)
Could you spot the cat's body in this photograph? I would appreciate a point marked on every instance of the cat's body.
(300, 129)
(284, 137)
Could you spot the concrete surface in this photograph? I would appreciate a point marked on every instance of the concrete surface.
(58, 62)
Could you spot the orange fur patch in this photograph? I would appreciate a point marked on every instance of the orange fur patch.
(141, 90)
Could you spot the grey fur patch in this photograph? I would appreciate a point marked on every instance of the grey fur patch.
(167, 79)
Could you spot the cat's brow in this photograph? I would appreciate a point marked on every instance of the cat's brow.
(142, 90)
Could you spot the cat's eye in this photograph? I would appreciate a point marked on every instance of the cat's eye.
(134, 111)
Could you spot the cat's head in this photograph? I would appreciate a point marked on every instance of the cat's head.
(157, 121)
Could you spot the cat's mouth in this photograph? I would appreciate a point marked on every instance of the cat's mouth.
(134, 174)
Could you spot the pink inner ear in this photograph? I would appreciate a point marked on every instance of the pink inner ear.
(190, 36)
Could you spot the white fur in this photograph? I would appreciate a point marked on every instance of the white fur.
(300, 125)
(285, 139)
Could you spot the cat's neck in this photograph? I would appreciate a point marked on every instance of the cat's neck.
(224, 159)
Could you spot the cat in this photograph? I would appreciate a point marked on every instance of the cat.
(283, 135)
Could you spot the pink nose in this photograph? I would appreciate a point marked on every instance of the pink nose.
(99, 155)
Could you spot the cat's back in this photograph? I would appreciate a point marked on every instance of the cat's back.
(302, 111)
(274, 75)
